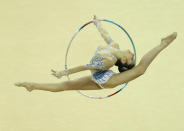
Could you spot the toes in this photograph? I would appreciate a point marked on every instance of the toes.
(29, 89)
(175, 33)
(24, 84)
(18, 84)
(169, 38)
(28, 86)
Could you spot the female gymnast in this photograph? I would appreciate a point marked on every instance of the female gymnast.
(104, 58)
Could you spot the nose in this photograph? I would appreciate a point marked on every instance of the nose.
(133, 60)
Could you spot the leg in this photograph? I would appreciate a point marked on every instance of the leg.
(140, 69)
(84, 83)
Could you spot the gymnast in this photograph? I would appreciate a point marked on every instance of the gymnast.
(104, 58)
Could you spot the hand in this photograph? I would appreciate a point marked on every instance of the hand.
(56, 73)
(96, 21)
(94, 17)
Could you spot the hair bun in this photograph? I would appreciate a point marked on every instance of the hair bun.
(123, 67)
(118, 63)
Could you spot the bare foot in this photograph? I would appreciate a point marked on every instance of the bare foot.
(167, 40)
(27, 85)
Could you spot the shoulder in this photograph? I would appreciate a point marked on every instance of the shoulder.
(115, 45)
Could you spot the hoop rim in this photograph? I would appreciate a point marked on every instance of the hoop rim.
(75, 34)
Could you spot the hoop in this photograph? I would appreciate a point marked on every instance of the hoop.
(100, 97)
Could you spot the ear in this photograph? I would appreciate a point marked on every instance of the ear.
(123, 60)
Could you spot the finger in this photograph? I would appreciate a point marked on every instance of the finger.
(53, 70)
(94, 17)
(53, 74)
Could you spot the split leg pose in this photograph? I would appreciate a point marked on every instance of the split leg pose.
(115, 79)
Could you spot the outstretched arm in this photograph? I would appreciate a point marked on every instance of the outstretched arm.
(105, 35)
(73, 70)
(100, 65)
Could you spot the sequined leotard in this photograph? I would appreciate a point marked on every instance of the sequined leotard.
(101, 75)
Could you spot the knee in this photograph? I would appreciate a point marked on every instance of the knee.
(142, 69)
(60, 87)
(68, 85)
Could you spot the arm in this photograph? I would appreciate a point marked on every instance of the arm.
(100, 65)
(105, 34)
(59, 74)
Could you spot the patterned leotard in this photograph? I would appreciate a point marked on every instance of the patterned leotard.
(101, 75)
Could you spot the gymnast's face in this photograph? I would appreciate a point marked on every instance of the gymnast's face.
(128, 57)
